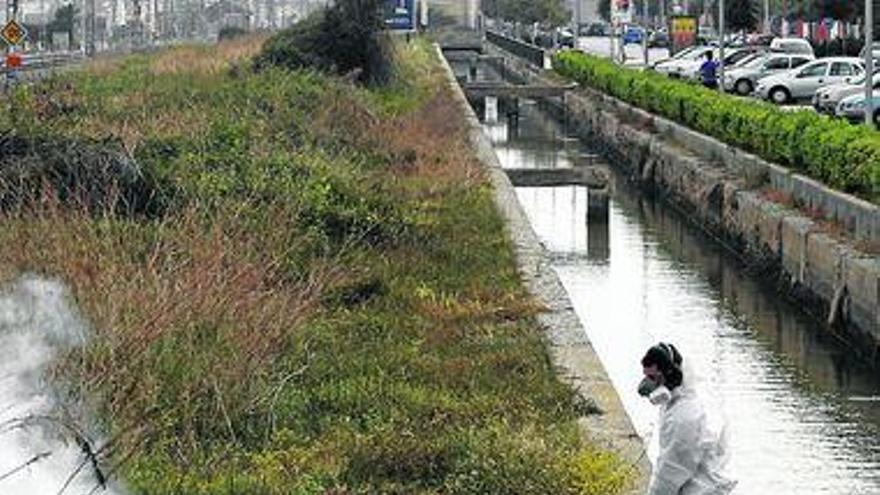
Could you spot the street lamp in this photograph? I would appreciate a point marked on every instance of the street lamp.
(721, 45)
(869, 62)
(645, 30)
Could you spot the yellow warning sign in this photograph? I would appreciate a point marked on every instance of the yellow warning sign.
(13, 33)
(684, 32)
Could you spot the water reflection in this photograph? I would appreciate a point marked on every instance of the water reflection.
(804, 415)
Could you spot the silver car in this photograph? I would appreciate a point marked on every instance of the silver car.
(803, 82)
(744, 78)
(852, 108)
(677, 66)
(826, 99)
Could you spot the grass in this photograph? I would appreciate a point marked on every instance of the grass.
(326, 302)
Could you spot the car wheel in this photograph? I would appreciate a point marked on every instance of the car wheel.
(744, 87)
(877, 118)
(779, 95)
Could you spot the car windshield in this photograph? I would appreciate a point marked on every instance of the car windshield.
(697, 54)
(753, 60)
(685, 53)
(861, 79)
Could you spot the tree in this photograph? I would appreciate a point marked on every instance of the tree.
(550, 12)
(345, 37)
(605, 9)
(839, 10)
(65, 21)
(742, 15)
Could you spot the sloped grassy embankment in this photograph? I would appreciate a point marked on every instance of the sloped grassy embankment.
(294, 285)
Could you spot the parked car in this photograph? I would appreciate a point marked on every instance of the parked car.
(828, 98)
(659, 39)
(559, 37)
(732, 57)
(735, 40)
(595, 29)
(804, 81)
(677, 56)
(542, 38)
(707, 36)
(743, 78)
(792, 45)
(852, 108)
(565, 37)
(683, 63)
(633, 34)
(759, 39)
(751, 57)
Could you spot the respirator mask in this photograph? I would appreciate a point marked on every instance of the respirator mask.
(657, 394)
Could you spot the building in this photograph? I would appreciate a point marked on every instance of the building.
(588, 12)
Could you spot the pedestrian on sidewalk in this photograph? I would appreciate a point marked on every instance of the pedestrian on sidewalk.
(709, 71)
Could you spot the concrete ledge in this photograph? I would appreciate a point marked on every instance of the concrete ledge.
(570, 349)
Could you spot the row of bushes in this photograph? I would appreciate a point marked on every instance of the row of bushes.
(841, 155)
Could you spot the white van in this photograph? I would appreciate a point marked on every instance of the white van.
(792, 45)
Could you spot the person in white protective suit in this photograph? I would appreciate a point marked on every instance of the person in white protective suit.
(691, 455)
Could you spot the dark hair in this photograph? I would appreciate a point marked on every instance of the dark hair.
(668, 360)
(710, 55)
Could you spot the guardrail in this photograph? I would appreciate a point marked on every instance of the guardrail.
(534, 55)
(44, 61)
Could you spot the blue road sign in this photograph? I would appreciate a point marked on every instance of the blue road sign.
(400, 15)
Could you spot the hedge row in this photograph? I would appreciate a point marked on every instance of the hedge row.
(844, 156)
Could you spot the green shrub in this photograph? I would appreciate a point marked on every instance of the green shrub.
(230, 32)
(843, 156)
(345, 37)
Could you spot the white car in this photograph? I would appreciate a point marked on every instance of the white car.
(792, 45)
(828, 98)
(688, 66)
(677, 56)
(852, 108)
(744, 77)
(803, 82)
(732, 57)
(677, 65)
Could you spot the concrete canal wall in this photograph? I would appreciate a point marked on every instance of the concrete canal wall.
(820, 245)
(570, 349)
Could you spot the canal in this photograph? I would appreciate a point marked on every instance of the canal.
(803, 415)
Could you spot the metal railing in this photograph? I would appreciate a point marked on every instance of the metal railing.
(43, 62)
(535, 55)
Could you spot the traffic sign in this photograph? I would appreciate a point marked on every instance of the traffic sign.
(13, 61)
(400, 15)
(13, 33)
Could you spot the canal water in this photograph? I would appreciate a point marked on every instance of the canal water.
(803, 416)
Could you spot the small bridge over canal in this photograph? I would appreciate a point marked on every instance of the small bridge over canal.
(485, 89)
(499, 94)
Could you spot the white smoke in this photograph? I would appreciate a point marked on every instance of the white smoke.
(38, 455)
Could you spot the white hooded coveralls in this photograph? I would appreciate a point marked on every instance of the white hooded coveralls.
(690, 459)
